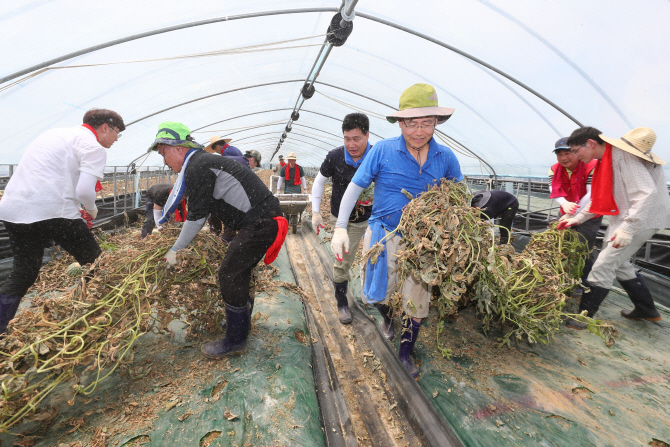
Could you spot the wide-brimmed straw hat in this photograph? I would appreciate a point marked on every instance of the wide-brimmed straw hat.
(420, 100)
(638, 142)
(173, 134)
(291, 156)
(216, 139)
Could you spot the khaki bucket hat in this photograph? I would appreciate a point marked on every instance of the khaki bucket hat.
(420, 100)
(638, 142)
(216, 139)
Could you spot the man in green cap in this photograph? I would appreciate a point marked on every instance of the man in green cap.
(413, 161)
(234, 194)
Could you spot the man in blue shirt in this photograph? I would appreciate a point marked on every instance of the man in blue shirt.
(413, 161)
(340, 165)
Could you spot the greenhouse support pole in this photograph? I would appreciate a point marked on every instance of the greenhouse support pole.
(136, 187)
(528, 208)
(348, 12)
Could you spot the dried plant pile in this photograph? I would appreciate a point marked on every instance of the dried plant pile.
(448, 245)
(445, 243)
(93, 324)
(526, 292)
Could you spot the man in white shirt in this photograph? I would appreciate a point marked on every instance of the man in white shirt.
(55, 177)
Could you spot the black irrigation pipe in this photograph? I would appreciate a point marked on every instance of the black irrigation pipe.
(419, 411)
(334, 414)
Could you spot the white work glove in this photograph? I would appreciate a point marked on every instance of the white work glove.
(570, 222)
(620, 238)
(569, 207)
(317, 222)
(157, 216)
(171, 257)
(93, 213)
(340, 243)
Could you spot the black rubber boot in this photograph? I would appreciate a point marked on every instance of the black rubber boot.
(388, 328)
(237, 332)
(343, 312)
(641, 297)
(8, 306)
(407, 339)
(222, 323)
(579, 290)
(590, 303)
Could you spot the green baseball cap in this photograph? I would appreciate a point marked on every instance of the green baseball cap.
(420, 100)
(174, 134)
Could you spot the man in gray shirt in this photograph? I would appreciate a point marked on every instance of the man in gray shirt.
(629, 186)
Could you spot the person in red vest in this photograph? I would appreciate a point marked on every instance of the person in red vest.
(629, 187)
(282, 163)
(292, 176)
(570, 181)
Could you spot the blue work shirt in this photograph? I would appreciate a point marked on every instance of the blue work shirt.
(231, 151)
(393, 168)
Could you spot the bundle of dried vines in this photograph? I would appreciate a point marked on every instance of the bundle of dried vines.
(445, 243)
(527, 291)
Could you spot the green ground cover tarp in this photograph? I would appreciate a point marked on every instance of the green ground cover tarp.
(574, 391)
(170, 395)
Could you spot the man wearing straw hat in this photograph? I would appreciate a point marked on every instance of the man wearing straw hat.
(293, 175)
(239, 198)
(412, 161)
(629, 186)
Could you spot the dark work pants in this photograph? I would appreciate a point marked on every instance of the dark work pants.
(244, 252)
(588, 232)
(506, 220)
(149, 224)
(28, 242)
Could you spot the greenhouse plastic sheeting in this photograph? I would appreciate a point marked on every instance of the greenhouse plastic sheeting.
(238, 69)
(270, 389)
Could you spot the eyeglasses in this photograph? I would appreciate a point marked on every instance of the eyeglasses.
(414, 126)
(118, 133)
(575, 151)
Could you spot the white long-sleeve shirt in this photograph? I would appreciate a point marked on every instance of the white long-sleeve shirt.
(46, 183)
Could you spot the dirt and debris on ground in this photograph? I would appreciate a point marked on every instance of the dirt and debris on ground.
(165, 379)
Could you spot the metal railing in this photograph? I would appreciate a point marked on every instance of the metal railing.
(532, 192)
(120, 185)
